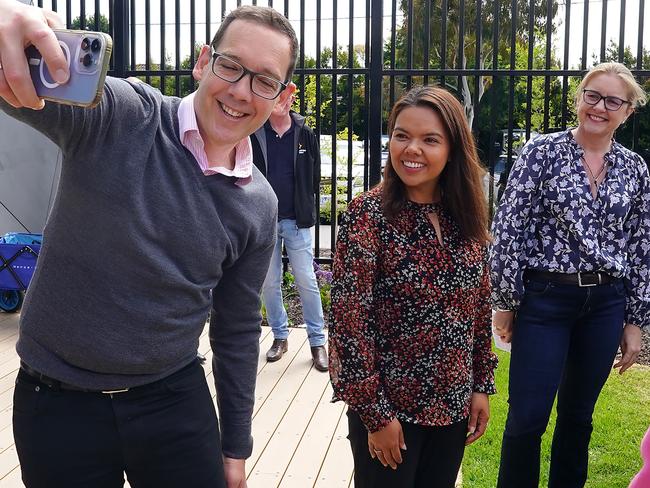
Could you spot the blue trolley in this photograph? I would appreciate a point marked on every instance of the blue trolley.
(18, 255)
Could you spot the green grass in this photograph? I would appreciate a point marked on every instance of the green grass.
(621, 418)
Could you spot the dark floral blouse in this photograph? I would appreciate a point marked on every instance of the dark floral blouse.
(410, 335)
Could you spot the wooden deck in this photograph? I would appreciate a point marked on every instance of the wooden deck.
(299, 435)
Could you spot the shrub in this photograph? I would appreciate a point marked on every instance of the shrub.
(325, 209)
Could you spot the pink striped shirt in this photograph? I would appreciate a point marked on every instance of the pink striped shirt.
(192, 140)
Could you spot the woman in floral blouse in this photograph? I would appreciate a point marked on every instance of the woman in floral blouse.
(571, 267)
(410, 335)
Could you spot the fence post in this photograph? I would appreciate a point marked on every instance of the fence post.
(120, 37)
(376, 69)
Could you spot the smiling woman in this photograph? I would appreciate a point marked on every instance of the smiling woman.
(570, 258)
(419, 150)
(452, 174)
(410, 325)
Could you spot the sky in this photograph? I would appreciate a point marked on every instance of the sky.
(594, 28)
(359, 24)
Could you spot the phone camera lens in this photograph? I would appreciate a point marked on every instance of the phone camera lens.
(95, 45)
(85, 44)
(87, 60)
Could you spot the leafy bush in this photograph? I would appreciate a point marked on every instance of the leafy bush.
(324, 278)
(325, 211)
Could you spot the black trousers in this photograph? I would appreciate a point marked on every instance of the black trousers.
(432, 458)
(164, 434)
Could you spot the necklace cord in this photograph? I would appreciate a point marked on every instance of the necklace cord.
(595, 177)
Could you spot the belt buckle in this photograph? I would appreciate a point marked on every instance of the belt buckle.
(110, 392)
(584, 285)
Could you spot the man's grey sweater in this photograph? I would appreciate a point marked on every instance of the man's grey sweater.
(138, 247)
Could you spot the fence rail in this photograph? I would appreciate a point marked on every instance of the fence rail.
(514, 64)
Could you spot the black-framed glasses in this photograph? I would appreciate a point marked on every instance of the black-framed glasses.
(231, 71)
(592, 97)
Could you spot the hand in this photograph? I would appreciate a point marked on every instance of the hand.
(235, 472)
(20, 26)
(630, 347)
(479, 415)
(502, 325)
(385, 444)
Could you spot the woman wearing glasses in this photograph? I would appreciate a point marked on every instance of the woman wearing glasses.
(570, 270)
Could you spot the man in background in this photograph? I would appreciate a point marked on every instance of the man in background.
(286, 151)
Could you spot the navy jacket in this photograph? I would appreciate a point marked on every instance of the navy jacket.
(306, 165)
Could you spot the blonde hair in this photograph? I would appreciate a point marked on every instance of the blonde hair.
(636, 95)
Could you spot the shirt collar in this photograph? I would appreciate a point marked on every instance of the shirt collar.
(609, 156)
(269, 128)
(190, 137)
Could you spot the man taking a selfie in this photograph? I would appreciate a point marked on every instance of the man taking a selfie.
(160, 217)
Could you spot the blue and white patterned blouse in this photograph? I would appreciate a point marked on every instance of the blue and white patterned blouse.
(548, 220)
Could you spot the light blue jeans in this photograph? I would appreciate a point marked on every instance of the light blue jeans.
(299, 250)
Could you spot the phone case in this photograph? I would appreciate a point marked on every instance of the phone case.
(88, 65)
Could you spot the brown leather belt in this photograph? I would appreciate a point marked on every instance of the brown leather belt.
(592, 278)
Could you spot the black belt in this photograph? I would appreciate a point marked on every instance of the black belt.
(60, 385)
(592, 278)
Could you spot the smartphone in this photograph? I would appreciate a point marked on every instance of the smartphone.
(88, 54)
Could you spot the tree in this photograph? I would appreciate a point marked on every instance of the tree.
(539, 94)
(343, 104)
(187, 82)
(494, 107)
(494, 14)
(625, 134)
(102, 26)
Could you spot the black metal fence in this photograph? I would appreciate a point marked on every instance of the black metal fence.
(514, 64)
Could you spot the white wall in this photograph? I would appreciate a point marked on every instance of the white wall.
(29, 172)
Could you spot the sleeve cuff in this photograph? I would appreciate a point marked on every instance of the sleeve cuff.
(489, 388)
(635, 316)
(375, 416)
(499, 302)
(374, 424)
(236, 441)
(484, 375)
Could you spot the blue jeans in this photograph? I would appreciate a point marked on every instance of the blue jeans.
(301, 257)
(564, 341)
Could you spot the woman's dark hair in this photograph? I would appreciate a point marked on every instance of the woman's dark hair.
(461, 180)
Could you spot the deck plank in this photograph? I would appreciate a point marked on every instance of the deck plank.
(283, 444)
(316, 439)
(13, 479)
(286, 376)
(337, 466)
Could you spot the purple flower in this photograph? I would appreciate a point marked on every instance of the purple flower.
(326, 276)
